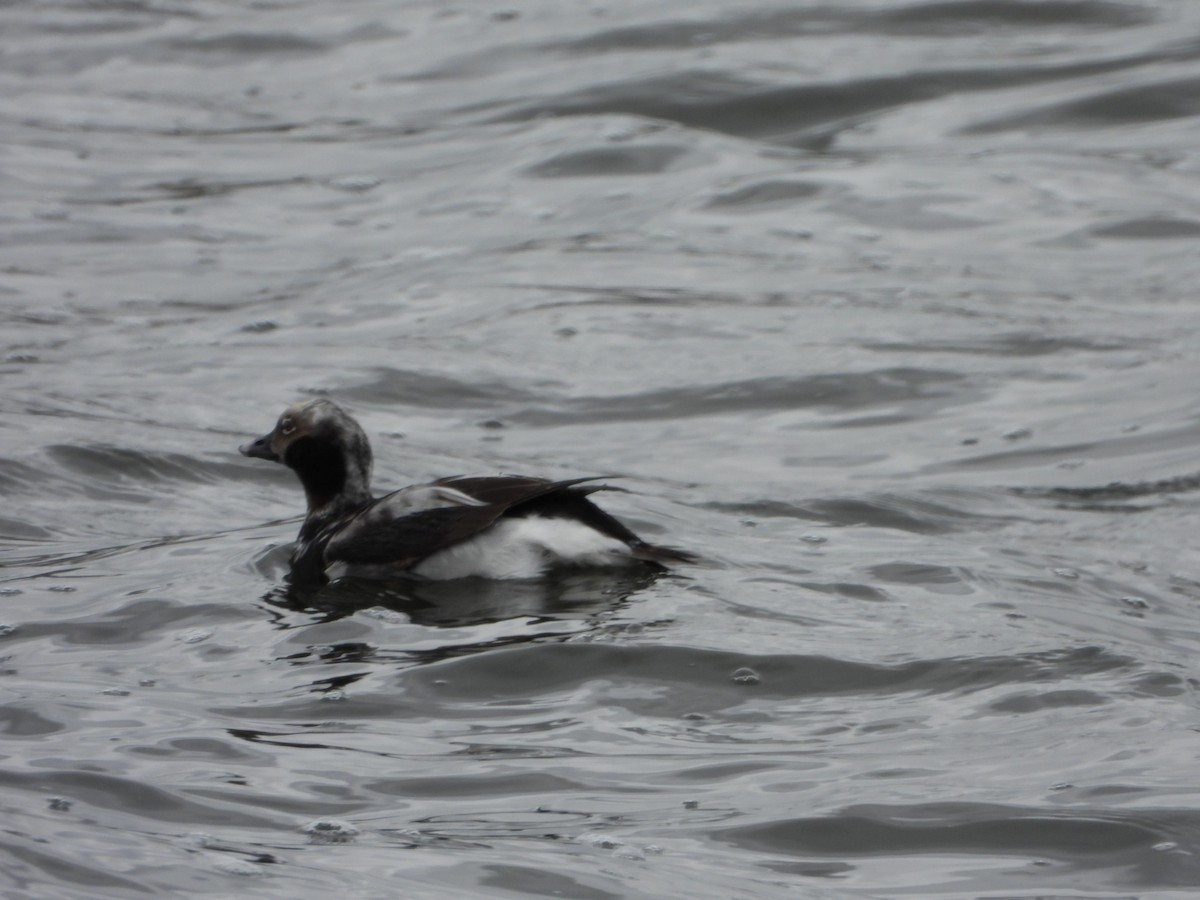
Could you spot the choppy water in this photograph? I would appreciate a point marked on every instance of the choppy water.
(886, 308)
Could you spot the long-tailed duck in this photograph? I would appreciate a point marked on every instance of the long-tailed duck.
(505, 526)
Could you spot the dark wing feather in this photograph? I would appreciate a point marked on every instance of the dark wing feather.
(404, 540)
(567, 499)
(572, 503)
(407, 539)
(508, 490)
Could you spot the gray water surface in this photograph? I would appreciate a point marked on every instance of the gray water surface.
(887, 309)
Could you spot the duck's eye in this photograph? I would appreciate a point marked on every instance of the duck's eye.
(286, 427)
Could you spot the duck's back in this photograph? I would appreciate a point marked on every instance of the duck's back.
(494, 527)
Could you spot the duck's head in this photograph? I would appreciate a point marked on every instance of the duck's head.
(326, 448)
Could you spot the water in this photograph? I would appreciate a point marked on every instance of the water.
(887, 309)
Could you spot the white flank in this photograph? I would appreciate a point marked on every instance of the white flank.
(524, 548)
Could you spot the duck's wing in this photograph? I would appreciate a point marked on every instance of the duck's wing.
(568, 499)
(403, 528)
(405, 541)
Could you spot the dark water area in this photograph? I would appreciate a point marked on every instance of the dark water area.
(886, 309)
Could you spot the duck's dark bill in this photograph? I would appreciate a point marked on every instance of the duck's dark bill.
(259, 449)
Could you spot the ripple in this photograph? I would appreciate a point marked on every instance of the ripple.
(498, 784)
(934, 577)
(59, 866)
(701, 679)
(915, 514)
(1082, 839)
(1019, 344)
(810, 115)
(102, 791)
(842, 391)
(234, 45)
(1162, 101)
(102, 461)
(17, 721)
(950, 17)
(426, 389)
(645, 159)
(527, 881)
(771, 193)
(132, 624)
(1148, 229)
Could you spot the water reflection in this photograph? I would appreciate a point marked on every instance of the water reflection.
(578, 596)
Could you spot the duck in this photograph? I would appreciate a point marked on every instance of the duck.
(491, 526)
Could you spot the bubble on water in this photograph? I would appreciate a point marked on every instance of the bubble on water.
(813, 538)
(195, 636)
(1061, 786)
(6, 629)
(330, 831)
(148, 682)
(691, 804)
(21, 358)
(745, 675)
(59, 804)
(389, 616)
(1164, 846)
(1018, 434)
(333, 696)
(600, 841)
(233, 865)
(9, 592)
(1135, 602)
(627, 852)
(604, 637)
(115, 692)
(61, 588)
(259, 327)
(1066, 573)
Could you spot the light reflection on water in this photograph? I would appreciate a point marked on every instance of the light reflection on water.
(883, 310)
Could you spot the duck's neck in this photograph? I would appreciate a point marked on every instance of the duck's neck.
(335, 482)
